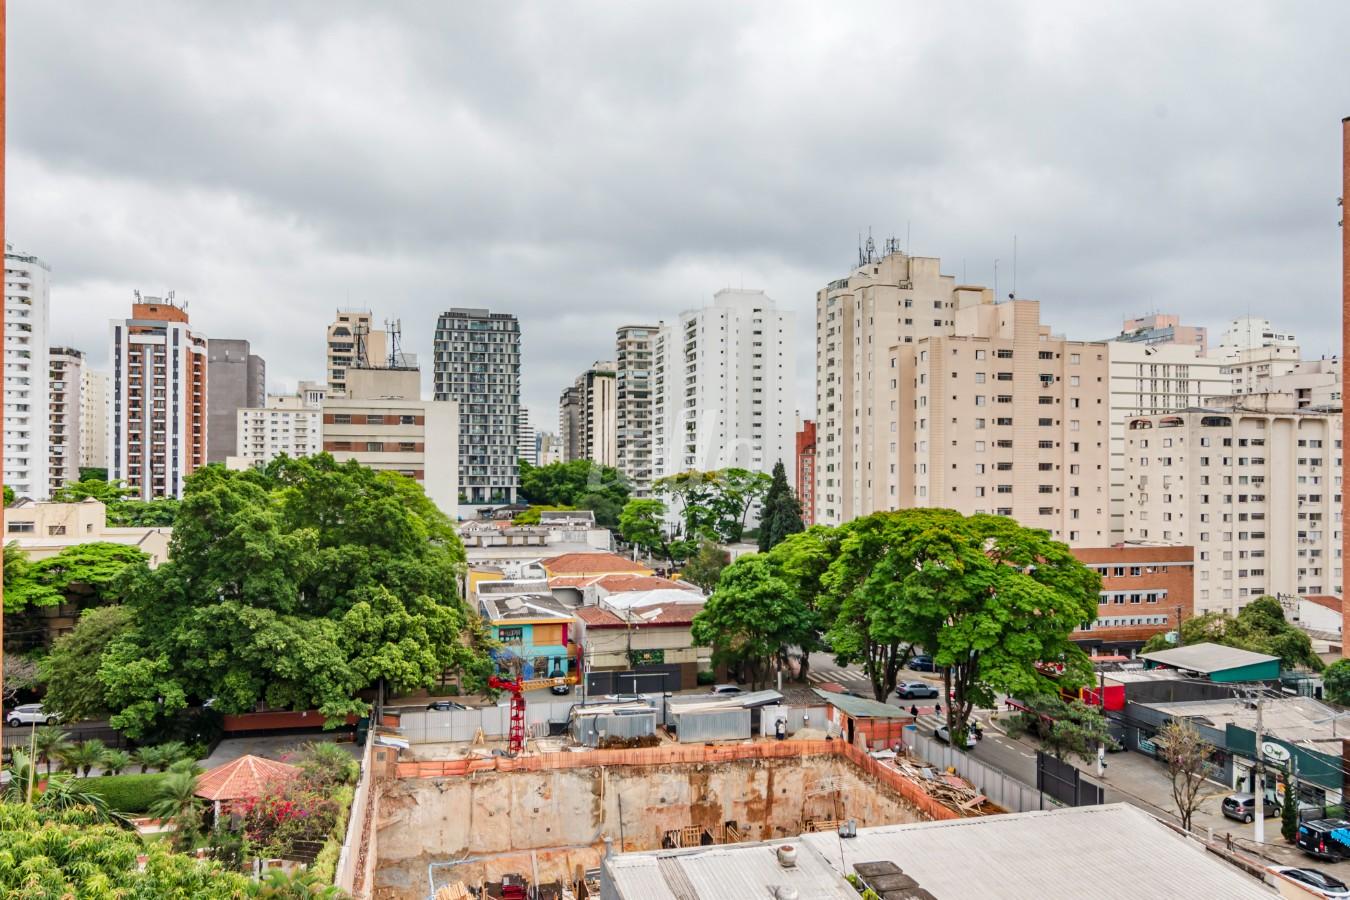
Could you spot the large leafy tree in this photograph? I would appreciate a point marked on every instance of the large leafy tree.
(802, 561)
(705, 566)
(580, 484)
(737, 491)
(297, 586)
(83, 573)
(93, 488)
(713, 505)
(1068, 727)
(642, 522)
(1260, 627)
(782, 513)
(123, 511)
(751, 618)
(71, 669)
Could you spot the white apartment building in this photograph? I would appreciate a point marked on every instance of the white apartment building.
(1257, 493)
(1147, 379)
(886, 301)
(383, 423)
(723, 385)
(1001, 417)
(27, 373)
(587, 416)
(290, 425)
(64, 427)
(93, 418)
(548, 448)
(633, 405)
(157, 422)
(526, 448)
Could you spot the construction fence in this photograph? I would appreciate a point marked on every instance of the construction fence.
(672, 755)
(1001, 789)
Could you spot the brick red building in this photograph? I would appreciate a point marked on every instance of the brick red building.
(1146, 590)
(806, 471)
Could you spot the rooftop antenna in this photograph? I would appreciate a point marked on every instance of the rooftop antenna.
(996, 280)
(395, 331)
(137, 292)
(1013, 295)
(359, 332)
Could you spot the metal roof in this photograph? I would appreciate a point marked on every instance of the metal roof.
(1207, 658)
(861, 707)
(723, 872)
(745, 700)
(1114, 852)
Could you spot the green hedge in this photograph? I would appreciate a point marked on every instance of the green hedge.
(125, 793)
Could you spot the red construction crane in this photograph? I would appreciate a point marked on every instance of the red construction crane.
(516, 735)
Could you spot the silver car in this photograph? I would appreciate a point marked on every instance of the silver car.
(30, 714)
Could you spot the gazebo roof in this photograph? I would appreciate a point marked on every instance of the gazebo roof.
(244, 778)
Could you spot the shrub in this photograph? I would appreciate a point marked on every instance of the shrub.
(707, 677)
(325, 864)
(325, 764)
(131, 794)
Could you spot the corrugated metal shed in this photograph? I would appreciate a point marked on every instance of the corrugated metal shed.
(721, 724)
(588, 730)
(1210, 658)
(861, 707)
(1115, 852)
(747, 700)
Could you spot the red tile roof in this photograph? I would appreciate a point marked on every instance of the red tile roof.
(1326, 600)
(618, 583)
(573, 581)
(592, 564)
(244, 778)
(599, 618)
(676, 614)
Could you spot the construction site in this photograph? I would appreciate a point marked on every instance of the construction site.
(471, 820)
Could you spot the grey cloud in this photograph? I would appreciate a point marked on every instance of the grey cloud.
(586, 165)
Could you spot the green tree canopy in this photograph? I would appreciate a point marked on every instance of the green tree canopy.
(71, 669)
(642, 522)
(1336, 679)
(782, 513)
(752, 618)
(99, 489)
(705, 566)
(83, 573)
(580, 484)
(1068, 727)
(297, 586)
(1259, 626)
(713, 505)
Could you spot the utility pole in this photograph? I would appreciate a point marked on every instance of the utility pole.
(1259, 805)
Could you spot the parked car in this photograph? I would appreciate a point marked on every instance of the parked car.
(30, 714)
(1320, 839)
(561, 690)
(922, 663)
(1243, 807)
(445, 705)
(1315, 880)
(942, 734)
(909, 690)
(726, 689)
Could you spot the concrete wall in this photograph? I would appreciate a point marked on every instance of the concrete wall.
(557, 820)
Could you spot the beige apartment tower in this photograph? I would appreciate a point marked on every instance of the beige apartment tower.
(1001, 417)
(587, 416)
(633, 405)
(353, 342)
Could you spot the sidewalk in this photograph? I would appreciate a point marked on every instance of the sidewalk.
(1143, 782)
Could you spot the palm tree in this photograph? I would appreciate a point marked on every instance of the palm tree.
(186, 765)
(177, 800)
(302, 883)
(114, 761)
(51, 744)
(149, 757)
(172, 752)
(84, 756)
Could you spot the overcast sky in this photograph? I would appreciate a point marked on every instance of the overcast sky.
(589, 165)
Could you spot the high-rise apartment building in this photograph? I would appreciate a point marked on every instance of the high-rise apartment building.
(587, 416)
(1160, 329)
(527, 447)
(548, 448)
(1257, 493)
(382, 422)
(353, 342)
(806, 471)
(1147, 379)
(886, 301)
(235, 379)
(633, 405)
(27, 373)
(64, 426)
(477, 364)
(290, 425)
(1000, 417)
(93, 418)
(157, 425)
(722, 385)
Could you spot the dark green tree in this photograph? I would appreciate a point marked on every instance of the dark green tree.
(296, 586)
(100, 489)
(1289, 809)
(9, 495)
(71, 669)
(1336, 682)
(1068, 728)
(93, 473)
(85, 574)
(642, 522)
(580, 484)
(751, 618)
(705, 566)
(1260, 627)
(782, 513)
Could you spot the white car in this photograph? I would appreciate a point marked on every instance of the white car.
(943, 735)
(1318, 882)
(30, 714)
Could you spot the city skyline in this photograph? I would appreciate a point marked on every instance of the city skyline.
(1127, 195)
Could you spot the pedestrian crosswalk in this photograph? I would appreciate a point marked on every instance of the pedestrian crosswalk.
(837, 676)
